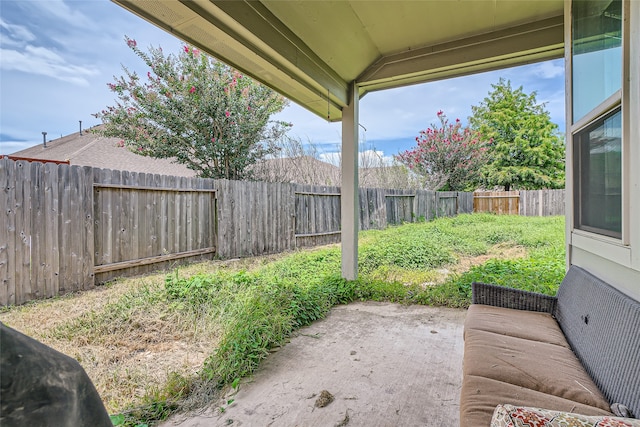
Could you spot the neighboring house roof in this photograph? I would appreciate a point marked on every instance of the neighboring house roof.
(90, 149)
(300, 170)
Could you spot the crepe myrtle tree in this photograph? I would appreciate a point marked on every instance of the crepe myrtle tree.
(448, 156)
(197, 110)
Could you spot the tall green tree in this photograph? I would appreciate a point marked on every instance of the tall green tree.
(527, 150)
(447, 156)
(198, 110)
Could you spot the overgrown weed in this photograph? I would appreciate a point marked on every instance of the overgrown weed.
(243, 309)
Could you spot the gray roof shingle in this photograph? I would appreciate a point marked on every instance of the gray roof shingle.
(90, 149)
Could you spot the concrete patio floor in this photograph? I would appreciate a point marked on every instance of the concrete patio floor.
(385, 365)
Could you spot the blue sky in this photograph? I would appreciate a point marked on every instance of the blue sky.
(57, 57)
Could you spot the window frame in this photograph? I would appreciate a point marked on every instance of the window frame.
(578, 146)
(618, 99)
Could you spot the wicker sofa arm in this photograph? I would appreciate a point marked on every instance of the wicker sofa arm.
(500, 296)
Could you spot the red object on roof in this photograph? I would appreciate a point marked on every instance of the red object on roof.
(31, 159)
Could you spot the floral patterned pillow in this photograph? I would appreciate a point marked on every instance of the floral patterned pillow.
(516, 416)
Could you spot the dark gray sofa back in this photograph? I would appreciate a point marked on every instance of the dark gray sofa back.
(602, 326)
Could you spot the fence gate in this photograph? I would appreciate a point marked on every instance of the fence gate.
(446, 203)
(317, 217)
(137, 226)
(399, 208)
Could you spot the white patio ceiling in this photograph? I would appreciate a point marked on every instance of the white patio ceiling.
(311, 50)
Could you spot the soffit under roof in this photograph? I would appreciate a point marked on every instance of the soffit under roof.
(310, 51)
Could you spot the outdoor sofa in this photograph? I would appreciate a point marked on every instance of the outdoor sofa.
(577, 352)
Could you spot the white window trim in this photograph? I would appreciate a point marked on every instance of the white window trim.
(625, 250)
(604, 108)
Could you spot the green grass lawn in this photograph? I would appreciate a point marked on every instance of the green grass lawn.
(260, 309)
(256, 306)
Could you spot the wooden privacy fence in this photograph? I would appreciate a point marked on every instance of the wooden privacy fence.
(317, 210)
(144, 219)
(542, 202)
(65, 228)
(498, 202)
(524, 202)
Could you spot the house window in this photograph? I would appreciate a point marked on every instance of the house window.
(596, 53)
(597, 117)
(598, 162)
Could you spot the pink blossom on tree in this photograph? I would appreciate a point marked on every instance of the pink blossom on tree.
(220, 133)
(447, 156)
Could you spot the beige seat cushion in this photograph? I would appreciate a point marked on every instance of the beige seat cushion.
(479, 397)
(547, 368)
(517, 323)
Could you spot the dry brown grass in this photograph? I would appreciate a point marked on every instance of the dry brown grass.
(126, 359)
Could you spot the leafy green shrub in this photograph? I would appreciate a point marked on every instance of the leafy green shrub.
(259, 310)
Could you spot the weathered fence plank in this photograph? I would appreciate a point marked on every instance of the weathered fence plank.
(425, 205)
(317, 215)
(7, 232)
(86, 211)
(542, 202)
(37, 230)
(73, 225)
(465, 202)
(23, 232)
(399, 205)
(52, 242)
(447, 203)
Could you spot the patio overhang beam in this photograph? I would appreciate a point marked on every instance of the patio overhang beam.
(247, 35)
(529, 43)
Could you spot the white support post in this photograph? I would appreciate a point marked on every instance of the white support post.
(349, 197)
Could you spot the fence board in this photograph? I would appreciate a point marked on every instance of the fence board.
(399, 205)
(447, 203)
(153, 207)
(69, 232)
(465, 202)
(7, 233)
(52, 208)
(37, 230)
(74, 227)
(23, 232)
(86, 211)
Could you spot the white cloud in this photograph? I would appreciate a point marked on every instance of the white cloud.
(45, 62)
(58, 10)
(17, 34)
(333, 158)
(366, 158)
(8, 147)
(374, 158)
(548, 69)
